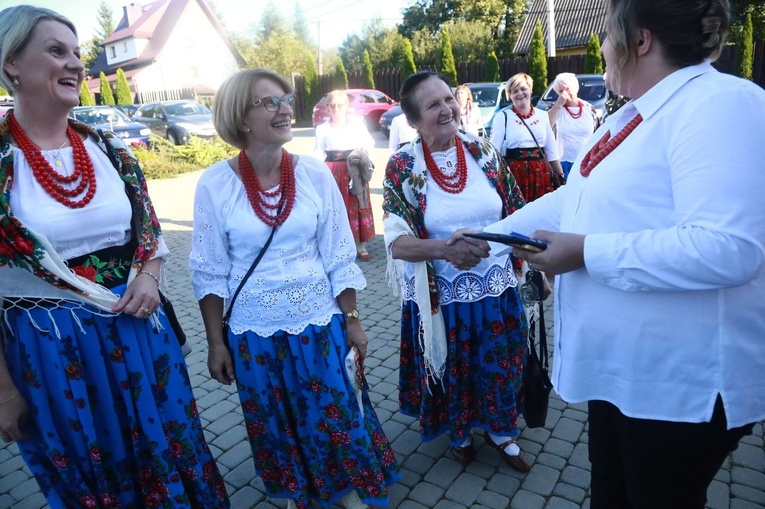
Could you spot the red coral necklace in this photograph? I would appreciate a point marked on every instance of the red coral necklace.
(578, 113)
(527, 115)
(605, 145)
(453, 184)
(267, 212)
(50, 179)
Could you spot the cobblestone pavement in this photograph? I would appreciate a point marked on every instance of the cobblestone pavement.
(559, 478)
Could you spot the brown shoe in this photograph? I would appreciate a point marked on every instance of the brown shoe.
(519, 462)
(464, 455)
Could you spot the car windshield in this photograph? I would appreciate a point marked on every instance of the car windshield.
(95, 116)
(484, 96)
(185, 109)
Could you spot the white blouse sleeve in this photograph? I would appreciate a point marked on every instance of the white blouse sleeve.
(209, 261)
(498, 128)
(320, 143)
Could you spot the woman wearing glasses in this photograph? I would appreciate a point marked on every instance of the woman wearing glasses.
(295, 319)
(336, 142)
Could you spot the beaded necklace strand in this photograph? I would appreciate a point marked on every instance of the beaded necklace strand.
(453, 184)
(605, 146)
(258, 198)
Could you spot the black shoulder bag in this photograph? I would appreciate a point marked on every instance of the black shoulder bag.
(536, 381)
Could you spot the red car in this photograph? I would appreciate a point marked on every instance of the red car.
(363, 102)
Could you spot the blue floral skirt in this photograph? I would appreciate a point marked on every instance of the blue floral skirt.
(112, 419)
(308, 437)
(484, 366)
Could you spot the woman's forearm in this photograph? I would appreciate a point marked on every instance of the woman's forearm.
(411, 249)
(211, 307)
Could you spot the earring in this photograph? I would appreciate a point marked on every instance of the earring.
(15, 81)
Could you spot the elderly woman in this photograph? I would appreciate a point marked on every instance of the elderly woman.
(463, 329)
(523, 135)
(295, 319)
(341, 137)
(658, 239)
(572, 119)
(470, 113)
(93, 383)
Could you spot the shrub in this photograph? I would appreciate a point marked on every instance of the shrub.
(538, 61)
(492, 68)
(106, 91)
(163, 159)
(593, 61)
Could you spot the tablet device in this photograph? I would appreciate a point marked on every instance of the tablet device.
(513, 239)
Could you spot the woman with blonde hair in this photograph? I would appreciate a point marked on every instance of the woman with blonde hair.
(335, 143)
(523, 136)
(293, 317)
(470, 113)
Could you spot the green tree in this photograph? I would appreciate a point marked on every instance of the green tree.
(745, 59)
(426, 47)
(92, 48)
(447, 67)
(300, 26)
(367, 74)
(340, 79)
(538, 60)
(272, 43)
(739, 10)
(593, 61)
(515, 15)
(106, 91)
(86, 98)
(470, 40)
(311, 84)
(492, 67)
(407, 61)
(123, 89)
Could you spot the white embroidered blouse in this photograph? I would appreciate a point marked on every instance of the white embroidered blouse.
(352, 135)
(308, 264)
(513, 134)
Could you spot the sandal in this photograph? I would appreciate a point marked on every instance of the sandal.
(464, 455)
(519, 462)
(364, 255)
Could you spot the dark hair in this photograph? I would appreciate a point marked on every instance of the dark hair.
(409, 89)
(690, 31)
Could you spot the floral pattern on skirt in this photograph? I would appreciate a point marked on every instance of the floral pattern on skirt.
(533, 177)
(308, 438)
(361, 219)
(484, 367)
(112, 421)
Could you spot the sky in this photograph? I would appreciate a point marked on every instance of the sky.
(336, 19)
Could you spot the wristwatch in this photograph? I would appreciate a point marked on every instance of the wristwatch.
(353, 313)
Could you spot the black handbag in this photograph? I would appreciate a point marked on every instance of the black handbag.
(172, 318)
(536, 381)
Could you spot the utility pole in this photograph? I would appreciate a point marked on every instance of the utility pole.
(550, 28)
(318, 43)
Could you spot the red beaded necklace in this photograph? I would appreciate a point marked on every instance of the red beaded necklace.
(578, 113)
(605, 145)
(50, 179)
(267, 212)
(527, 115)
(453, 184)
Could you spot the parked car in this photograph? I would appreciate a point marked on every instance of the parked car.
(113, 119)
(363, 102)
(387, 117)
(490, 98)
(592, 88)
(129, 109)
(177, 121)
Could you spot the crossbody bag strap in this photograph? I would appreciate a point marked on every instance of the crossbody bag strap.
(227, 316)
(541, 151)
(542, 336)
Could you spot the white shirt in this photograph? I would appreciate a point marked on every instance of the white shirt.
(352, 135)
(670, 309)
(513, 134)
(572, 132)
(400, 132)
(309, 263)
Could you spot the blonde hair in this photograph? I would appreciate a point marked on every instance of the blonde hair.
(569, 79)
(469, 101)
(234, 98)
(16, 26)
(338, 96)
(518, 80)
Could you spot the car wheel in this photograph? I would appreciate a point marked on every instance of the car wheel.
(172, 138)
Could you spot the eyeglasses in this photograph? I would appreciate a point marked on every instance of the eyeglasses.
(272, 103)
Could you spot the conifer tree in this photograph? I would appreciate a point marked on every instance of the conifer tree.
(593, 61)
(311, 85)
(746, 49)
(538, 61)
(492, 67)
(106, 91)
(447, 67)
(407, 62)
(340, 80)
(367, 72)
(123, 89)
(86, 98)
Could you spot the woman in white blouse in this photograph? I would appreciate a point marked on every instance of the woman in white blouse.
(659, 242)
(295, 319)
(523, 136)
(470, 113)
(335, 140)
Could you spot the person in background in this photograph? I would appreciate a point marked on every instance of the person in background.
(463, 328)
(572, 120)
(295, 320)
(658, 240)
(401, 133)
(523, 135)
(335, 141)
(470, 113)
(93, 383)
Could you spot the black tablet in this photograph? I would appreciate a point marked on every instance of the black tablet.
(514, 239)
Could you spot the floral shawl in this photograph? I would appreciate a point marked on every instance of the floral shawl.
(22, 248)
(404, 203)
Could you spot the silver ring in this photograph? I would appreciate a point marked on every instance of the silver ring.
(145, 310)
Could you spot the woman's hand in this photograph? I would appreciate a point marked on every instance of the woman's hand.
(13, 416)
(141, 298)
(219, 362)
(464, 253)
(356, 336)
(564, 253)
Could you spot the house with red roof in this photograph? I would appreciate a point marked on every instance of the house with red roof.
(168, 45)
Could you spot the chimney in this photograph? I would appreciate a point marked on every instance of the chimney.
(132, 12)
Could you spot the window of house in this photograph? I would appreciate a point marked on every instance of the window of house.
(124, 47)
(114, 51)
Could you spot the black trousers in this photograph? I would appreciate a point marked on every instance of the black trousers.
(647, 464)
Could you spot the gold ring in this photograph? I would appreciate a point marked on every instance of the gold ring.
(145, 310)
